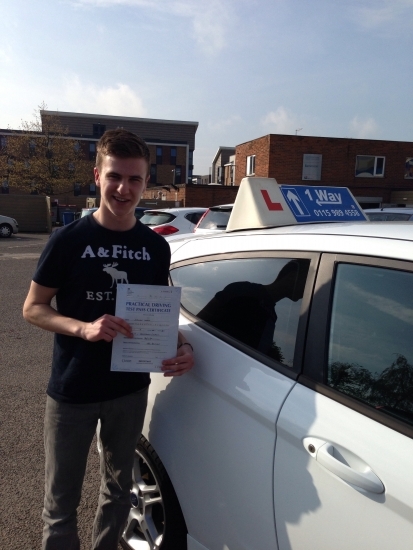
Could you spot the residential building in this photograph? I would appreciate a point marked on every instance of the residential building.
(171, 143)
(221, 159)
(376, 171)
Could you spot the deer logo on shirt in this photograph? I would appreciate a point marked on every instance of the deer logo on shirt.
(117, 276)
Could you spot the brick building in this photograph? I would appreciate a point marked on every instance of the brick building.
(377, 172)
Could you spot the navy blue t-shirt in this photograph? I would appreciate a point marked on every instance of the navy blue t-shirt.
(85, 261)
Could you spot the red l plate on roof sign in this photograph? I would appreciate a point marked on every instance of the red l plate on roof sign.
(270, 205)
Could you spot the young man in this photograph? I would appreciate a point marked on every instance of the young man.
(78, 266)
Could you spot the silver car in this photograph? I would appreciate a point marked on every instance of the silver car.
(8, 226)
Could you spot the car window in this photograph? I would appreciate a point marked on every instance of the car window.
(157, 218)
(371, 345)
(194, 217)
(215, 219)
(388, 217)
(255, 300)
(139, 212)
(87, 211)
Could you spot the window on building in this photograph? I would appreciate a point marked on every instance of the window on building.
(371, 349)
(368, 166)
(77, 189)
(312, 167)
(76, 146)
(231, 174)
(250, 165)
(153, 174)
(178, 175)
(5, 187)
(32, 148)
(191, 160)
(3, 142)
(99, 130)
(92, 150)
(173, 156)
(219, 174)
(408, 172)
(248, 299)
(92, 189)
(159, 155)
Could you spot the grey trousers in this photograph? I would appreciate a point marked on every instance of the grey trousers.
(69, 430)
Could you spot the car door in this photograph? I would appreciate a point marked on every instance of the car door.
(214, 429)
(343, 475)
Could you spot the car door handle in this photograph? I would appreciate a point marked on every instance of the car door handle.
(365, 479)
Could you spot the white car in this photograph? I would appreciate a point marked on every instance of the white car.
(8, 226)
(389, 214)
(171, 221)
(295, 427)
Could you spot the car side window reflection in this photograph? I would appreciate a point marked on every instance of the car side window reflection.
(255, 300)
(371, 344)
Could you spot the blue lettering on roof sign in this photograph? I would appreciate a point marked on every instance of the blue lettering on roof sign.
(316, 204)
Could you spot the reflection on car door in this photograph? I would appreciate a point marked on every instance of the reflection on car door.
(229, 405)
(343, 461)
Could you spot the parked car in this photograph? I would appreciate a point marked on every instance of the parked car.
(294, 429)
(139, 211)
(8, 226)
(389, 214)
(215, 219)
(168, 221)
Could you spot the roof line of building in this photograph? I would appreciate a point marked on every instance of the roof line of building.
(301, 137)
(222, 148)
(111, 117)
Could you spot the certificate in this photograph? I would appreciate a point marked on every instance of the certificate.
(153, 313)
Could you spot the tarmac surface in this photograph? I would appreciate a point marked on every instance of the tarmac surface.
(25, 357)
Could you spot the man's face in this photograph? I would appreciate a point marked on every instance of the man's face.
(122, 182)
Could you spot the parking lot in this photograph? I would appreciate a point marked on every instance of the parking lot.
(25, 356)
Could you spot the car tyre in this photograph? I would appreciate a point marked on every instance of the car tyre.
(155, 520)
(6, 230)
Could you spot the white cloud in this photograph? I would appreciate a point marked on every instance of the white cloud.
(5, 57)
(281, 121)
(385, 305)
(377, 13)
(222, 125)
(210, 20)
(364, 128)
(119, 100)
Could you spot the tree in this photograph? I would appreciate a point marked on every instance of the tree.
(42, 158)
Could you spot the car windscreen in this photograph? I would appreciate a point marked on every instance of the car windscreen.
(388, 217)
(215, 219)
(157, 218)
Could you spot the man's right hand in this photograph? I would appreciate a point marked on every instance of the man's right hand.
(38, 311)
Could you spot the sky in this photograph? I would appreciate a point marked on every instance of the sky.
(240, 68)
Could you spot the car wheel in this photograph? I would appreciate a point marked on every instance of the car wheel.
(6, 230)
(155, 520)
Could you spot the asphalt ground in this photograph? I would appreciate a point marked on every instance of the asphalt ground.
(25, 357)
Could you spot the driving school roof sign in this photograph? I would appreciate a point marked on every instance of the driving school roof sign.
(261, 202)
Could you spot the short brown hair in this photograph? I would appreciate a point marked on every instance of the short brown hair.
(121, 143)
